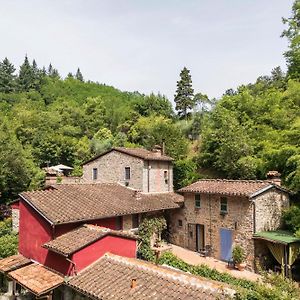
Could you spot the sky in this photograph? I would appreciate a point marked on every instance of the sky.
(139, 45)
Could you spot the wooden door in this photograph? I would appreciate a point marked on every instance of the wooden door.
(199, 237)
(226, 244)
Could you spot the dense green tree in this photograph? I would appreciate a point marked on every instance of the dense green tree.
(7, 77)
(78, 75)
(26, 80)
(292, 33)
(153, 130)
(185, 172)
(153, 104)
(184, 99)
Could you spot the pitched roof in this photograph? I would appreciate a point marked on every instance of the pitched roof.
(69, 203)
(37, 278)
(13, 262)
(111, 277)
(248, 188)
(81, 237)
(136, 152)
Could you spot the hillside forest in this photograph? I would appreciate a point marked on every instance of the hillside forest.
(46, 119)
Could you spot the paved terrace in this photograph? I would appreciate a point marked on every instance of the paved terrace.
(194, 258)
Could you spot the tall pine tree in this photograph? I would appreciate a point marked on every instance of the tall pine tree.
(52, 72)
(26, 79)
(78, 75)
(7, 77)
(184, 97)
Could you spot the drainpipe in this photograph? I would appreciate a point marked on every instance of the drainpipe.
(148, 177)
(254, 217)
(210, 221)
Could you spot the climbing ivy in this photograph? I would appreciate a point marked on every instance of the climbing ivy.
(147, 228)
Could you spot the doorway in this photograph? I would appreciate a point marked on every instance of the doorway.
(199, 237)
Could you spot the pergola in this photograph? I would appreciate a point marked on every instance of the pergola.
(283, 245)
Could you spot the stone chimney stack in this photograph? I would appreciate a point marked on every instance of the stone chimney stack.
(274, 176)
(157, 150)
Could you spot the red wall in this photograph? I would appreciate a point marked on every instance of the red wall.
(113, 244)
(63, 228)
(34, 231)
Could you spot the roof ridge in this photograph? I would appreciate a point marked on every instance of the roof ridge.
(179, 275)
(232, 180)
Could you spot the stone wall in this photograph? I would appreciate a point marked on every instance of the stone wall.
(147, 176)
(238, 219)
(268, 210)
(157, 181)
(15, 215)
(111, 168)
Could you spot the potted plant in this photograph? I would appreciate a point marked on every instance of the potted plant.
(238, 256)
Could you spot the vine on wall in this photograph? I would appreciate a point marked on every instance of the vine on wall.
(147, 228)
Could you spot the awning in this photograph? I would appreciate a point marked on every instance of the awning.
(13, 262)
(37, 279)
(283, 245)
(278, 237)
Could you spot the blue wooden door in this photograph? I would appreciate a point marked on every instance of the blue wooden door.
(226, 244)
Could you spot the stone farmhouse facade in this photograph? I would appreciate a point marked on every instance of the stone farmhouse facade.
(218, 214)
(140, 169)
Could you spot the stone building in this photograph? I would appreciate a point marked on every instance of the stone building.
(140, 169)
(217, 214)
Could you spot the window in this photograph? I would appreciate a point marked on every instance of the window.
(180, 223)
(135, 221)
(95, 173)
(223, 204)
(166, 176)
(127, 173)
(197, 201)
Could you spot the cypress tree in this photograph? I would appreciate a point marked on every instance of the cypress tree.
(7, 77)
(26, 76)
(184, 99)
(78, 75)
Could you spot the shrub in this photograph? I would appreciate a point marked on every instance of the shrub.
(238, 254)
(274, 286)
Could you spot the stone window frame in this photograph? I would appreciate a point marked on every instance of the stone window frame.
(224, 204)
(197, 200)
(95, 173)
(127, 173)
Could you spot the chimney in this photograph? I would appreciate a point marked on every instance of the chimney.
(157, 150)
(274, 177)
(133, 283)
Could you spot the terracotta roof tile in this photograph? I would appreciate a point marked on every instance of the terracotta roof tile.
(13, 262)
(37, 278)
(79, 238)
(136, 152)
(228, 187)
(111, 278)
(68, 203)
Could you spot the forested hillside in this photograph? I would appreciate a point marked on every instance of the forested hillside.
(47, 119)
